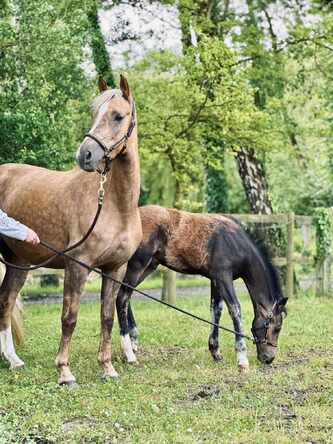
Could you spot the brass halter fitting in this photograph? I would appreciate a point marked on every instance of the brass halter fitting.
(101, 191)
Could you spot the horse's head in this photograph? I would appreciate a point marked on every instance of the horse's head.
(266, 328)
(112, 125)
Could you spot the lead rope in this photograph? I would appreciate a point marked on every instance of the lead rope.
(64, 253)
(100, 194)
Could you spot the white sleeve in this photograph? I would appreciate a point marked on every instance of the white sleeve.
(11, 228)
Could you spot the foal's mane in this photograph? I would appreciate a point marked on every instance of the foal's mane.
(272, 270)
(263, 252)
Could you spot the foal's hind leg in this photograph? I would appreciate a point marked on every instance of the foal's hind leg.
(75, 278)
(234, 309)
(133, 329)
(11, 285)
(216, 306)
(136, 272)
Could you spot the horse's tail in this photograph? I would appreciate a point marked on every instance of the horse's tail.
(17, 322)
(16, 318)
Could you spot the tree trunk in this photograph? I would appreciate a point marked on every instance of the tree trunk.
(254, 181)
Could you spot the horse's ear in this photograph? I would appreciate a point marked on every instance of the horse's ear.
(124, 87)
(102, 85)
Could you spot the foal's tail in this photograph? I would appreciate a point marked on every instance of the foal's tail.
(17, 322)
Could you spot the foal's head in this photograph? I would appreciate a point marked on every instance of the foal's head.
(112, 123)
(266, 328)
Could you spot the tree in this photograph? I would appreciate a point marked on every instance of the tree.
(42, 87)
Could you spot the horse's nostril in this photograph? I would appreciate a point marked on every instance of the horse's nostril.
(88, 155)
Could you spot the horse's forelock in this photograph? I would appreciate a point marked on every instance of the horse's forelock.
(104, 97)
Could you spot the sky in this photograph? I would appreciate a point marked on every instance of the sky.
(132, 31)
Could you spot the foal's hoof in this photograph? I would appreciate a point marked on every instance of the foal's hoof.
(243, 368)
(217, 356)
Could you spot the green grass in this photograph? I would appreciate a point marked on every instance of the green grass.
(290, 401)
(95, 285)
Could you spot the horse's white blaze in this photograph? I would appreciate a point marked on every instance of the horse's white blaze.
(7, 349)
(101, 112)
(126, 346)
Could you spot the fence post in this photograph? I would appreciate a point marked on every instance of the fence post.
(290, 259)
(169, 286)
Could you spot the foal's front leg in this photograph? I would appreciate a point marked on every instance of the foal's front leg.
(109, 295)
(75, 278)
(234, 309)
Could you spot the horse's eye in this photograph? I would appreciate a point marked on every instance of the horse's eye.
(118, 117)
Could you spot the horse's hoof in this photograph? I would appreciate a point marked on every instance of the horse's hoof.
(114, 377)
(17, 365)
(72, 385)
(243, 368)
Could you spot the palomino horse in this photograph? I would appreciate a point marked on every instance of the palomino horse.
(218, 248)
(60, 207)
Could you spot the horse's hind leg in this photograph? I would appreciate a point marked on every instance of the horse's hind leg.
(234, 309)
(75, 278)
(11, 286)
(216, 306)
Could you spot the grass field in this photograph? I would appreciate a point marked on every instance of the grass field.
(176, 394)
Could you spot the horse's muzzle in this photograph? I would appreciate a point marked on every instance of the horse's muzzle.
(89, 155)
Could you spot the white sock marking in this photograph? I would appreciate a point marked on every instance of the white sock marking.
(126, 347)
(7, 349)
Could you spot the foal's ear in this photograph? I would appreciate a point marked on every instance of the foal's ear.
(282, 302)
(102, 85)
(124, 87)
(262, 310)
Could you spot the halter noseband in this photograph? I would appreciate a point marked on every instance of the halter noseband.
(124, 139)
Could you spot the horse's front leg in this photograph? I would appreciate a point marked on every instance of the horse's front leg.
(75, 278)
(108, 298)
(216, 306)
(235, 312)
(11, 285)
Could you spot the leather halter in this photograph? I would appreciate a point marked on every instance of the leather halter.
(267, 322)
(124, 139)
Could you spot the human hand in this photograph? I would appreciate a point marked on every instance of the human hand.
(32, 237)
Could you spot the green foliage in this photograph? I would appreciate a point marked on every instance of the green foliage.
(100, 54)
(183, 103)
(43, 92)
(323, 221)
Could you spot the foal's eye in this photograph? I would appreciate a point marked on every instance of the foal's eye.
(118, 117)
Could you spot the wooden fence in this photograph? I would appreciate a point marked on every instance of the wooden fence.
(291, 258)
